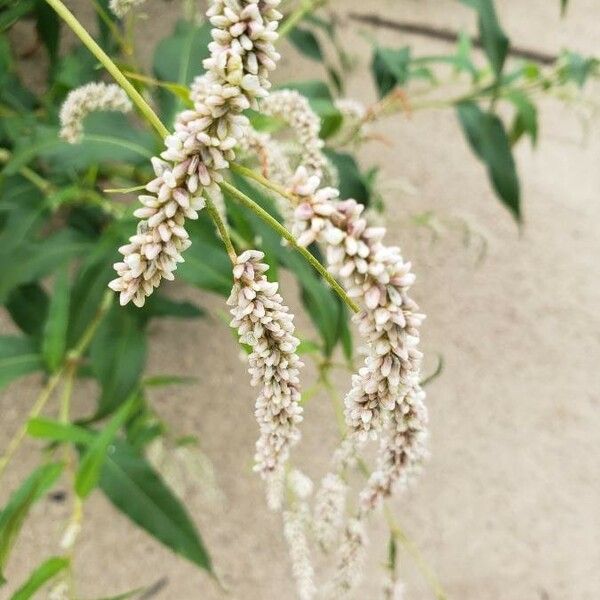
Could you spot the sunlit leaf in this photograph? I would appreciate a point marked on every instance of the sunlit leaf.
(54, 342)
(49, 569)
(15, 512)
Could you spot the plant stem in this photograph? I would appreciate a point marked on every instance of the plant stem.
(305, 7)
(69, 18)
(40, 183)
(222, 228)
(250, 174)
(287, 235)
(71, 358)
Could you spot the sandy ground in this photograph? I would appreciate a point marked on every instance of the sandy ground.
(509, 505)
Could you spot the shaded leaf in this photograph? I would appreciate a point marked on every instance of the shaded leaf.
(390, 67)
(42, 575)
(351, 181)
(306, 42)
(117, 357)
(487, 137)
(54, 342)
(18, 356)
(48, 28)
(16, 510)
(160, 305)
(493, 39)
(132, 485)
(27, 305)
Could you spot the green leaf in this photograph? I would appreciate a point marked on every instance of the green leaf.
(88, 473)
(487, 137)
(307, 43)
(48, 429)
(48, 28)
(108, 137)
(563, 7)
(9, 16)
(54, 342)
(493, 39)
(42, 575)
(18, 356)
(352, 182)
(526, 119)
(390, 67)
(160, 305)
(133, 487)
(117, 355)
(21, 500)
(577, 68)
(164, 380)
(178, 58)
(27, 305)
(34, 260)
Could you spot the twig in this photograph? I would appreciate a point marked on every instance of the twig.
(446, 35)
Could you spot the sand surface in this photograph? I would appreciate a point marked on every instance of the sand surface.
(509, 505)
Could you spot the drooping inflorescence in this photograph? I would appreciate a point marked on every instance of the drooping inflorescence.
(89, 98)
(330, 510)
(241, 58)
(121, 7)
(266, 325)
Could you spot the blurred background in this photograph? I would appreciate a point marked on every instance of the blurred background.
(508, 506)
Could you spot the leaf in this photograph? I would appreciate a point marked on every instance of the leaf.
(160, 305)
(42, 575)
(575, 67)
(164, 380)
(9, 16)
(34, 260)
(15, 512)
(390, 68)
(131, 484)
(54, 342)
(48, 429)
(117, 356)
(526, 119)
(563, 7)
(88, 473)
(487, 137)
(307, 43)
(27, 305)
(351, 180)
(178, 58)
(108, 137)
(493, 39)
(48, 28)
(18, 356)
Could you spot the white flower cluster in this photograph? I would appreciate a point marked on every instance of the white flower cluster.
(295, 110)
(86, 99)
(121, 7)
(393, 589)
(241, 58)
(402, 452)
(386, 387)
(265, 323)
(330, 509)
(351, 561)
(294, 531)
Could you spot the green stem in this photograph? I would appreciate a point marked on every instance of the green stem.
(69, 18)
(287, 235)
(305, 7)
(42, 184)
(222, 228)
(271, 185)
(71, 358)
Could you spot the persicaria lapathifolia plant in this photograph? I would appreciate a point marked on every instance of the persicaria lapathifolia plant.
(245, 182)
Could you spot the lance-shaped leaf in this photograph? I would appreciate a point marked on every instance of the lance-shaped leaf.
(49, 569)
(134, 488)
(487, 137)
(18, 356)
(15, 512)
(54, 342)
(90, 466)
(493, 39)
